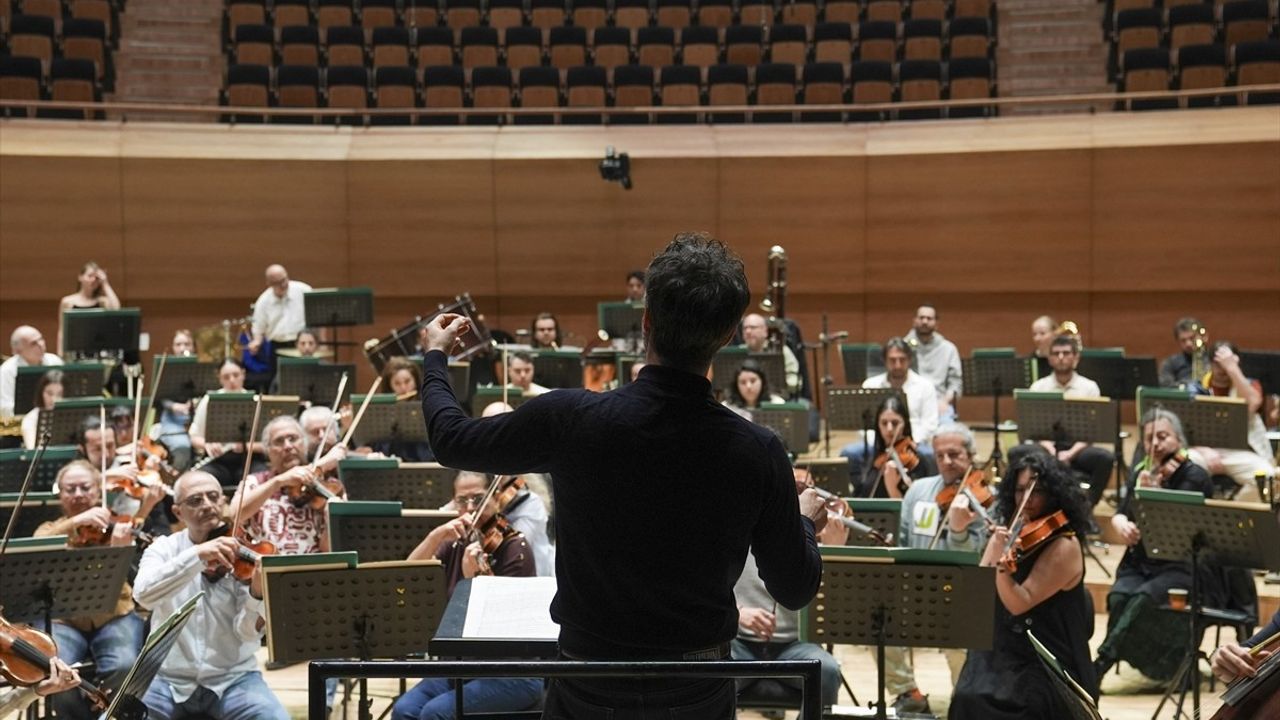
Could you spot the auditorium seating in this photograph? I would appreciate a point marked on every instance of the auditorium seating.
(1191, 44)
(565, 47)
(51, 31)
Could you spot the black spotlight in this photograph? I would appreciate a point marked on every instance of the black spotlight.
(616, 167)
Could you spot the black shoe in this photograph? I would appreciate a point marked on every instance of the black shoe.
(1101, 666)
(911, 701)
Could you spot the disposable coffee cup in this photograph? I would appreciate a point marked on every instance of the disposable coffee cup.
(1178, 598)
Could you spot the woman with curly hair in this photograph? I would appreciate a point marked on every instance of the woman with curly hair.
(1045, 594)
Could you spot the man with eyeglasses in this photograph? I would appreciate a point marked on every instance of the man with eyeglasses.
(1094, 463)
(111, 640)
(454, 545)
(212, 669)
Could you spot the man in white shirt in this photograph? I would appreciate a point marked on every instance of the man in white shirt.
(520, 374)
(28, 349)
(1096, 463)
(755, 336)
(937, 359)
(212, 669)
(278, 313)
(922, 403)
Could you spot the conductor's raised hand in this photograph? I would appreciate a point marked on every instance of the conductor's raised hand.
(443, 330)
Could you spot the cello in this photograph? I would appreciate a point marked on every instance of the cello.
(1257, 696)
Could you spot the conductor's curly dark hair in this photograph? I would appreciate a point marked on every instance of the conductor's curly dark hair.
(1055, 482)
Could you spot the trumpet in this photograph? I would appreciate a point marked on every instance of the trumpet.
(775, 294)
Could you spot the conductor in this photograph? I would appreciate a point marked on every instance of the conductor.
(660, 491)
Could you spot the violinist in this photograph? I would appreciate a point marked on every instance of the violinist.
(294, 528)
(1039, 588)
(61, 679)
(48, 391)
(212, 669)
(529, 508)
(465, 557)
(126, 495)
(227, 459)
(924, 524)
(544, 332)
(111, 640)
(1137, 632)
(922, 403)
(893, 430)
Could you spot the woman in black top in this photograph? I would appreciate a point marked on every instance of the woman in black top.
(893, 422)
(1137, 631)
(1044, 594)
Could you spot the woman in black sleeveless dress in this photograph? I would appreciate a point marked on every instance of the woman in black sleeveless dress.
(1045, 595)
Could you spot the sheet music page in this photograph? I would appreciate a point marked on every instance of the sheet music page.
(511, 607)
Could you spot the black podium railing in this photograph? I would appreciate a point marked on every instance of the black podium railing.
(807, 671)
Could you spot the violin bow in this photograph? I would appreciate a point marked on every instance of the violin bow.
(26, 485)
(342, 385)
(315, 462)
(1016, 526)
(102, 452)
(248, 462)
(377, 382)
(151, 405)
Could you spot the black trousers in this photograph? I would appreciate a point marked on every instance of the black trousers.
(1096, 465)
(640, 699)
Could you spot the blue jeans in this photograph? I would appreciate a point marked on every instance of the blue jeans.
(432, 699)
(248, 698)
(830, 689)
(113, 648)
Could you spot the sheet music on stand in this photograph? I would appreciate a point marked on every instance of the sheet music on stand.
(64, 420)
(79, 380)
(725, 364)
(854, 408)
(829, 473)
(1050, 416)
(860, 361)
(1075, 698)
(313, 381)
(86, 333)
(389, 420)
(419, 486)
(185, 378)
(510, 607)
(230, 414)
(557, 368)
(334, 307)
(15, 461)
(37, 508)
(43, 577)
(789, 420)
(380, 531)
(128, 700)
(1218, 422)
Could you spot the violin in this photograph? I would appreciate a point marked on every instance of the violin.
(1158, 473)
(90, 535)
(509, 488)
(491, 534)
(974, 486)
(25, 655)
(903, 456)
(150, 451)
(1034, 535)
(248, 555)
(846, 519)
(1258, 696)
(316, 491)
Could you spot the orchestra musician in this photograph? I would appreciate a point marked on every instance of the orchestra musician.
(1137, 632)
(463, 555)
(719, 484)
(922, 400)
(48, 391)
(29, 350)
(1040, 589)
(278, 314)
(1094, 463)
(93, 291)
(306, 343)
(530, 510)
(755, 338)
(520, 374)
(544, 332)
(112, 640)
(1226, 379)
(635, 287)
(404, 376)
(1233, 660)
(1176, 370)
(176, 416)
(97, 441)
(749, 389)
(937, 359)
(923, 524)
(1042, 334)
(227, 458)
(61, 679)
(212, 668)
(893, 428)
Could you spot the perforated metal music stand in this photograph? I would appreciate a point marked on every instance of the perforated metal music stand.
(725, 364)
(558, 368)
(460, 379)
(789, 420)
(85, 379)
(621, 319)
(829, 473)
(377, 610)
(64, 420)
(185, 377)
(883, 514)
(380, 531)
(860, 361)
(482, 397)
(901, 597)
(996, 373)
(89, 332)
(46, 580)
(313, 381)
(1263, 366)
(419, 486)
(1050, 416)
(230, 414)
(127, 702)
(1184, 526)
(334, 307)
(15, 462)
(1218, 422)
(389, 420)
(854, 408)
(37, 508)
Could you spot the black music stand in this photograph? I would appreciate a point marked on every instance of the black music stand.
(558, 368)
(901, 597)
(380, 531)
(482, 397)
(1263, 366)
(1184, 526)
(861, 361)
(380, 610)
(79, 380)
(127, 702)
(185, 377)
(854, 408)
(725, 364)
(15, 461)
(419, 486)
(625, 363)
(1217, 422)
(230, 414)
(37, 508)
(789, 420)
(883, 514)
(88, 332)
(45, 580)
(338, 307)
(64, 420)
(1050, 416)
(389, 420)
(460, 379)
(995, 373)
(1073, 697)
(622, 320)
(313, 381)
(453, 638)
(829, 473)
(1107, 368)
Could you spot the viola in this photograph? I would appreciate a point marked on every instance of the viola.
(1034, 535)
(25, 654)
(91, 535)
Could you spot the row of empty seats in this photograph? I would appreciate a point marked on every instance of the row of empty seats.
(41, 38)
(68, 80)
(1181, 25)
(1202, 67)
(496, 87)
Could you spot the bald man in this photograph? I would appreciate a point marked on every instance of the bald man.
(755, 337)
(278, 313)
(28, 347)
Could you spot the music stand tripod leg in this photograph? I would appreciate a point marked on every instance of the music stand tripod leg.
(843, 680)
(881, 621)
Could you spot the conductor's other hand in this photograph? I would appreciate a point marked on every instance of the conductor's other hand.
(814, 507)
(757, 621)
(443, 332)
